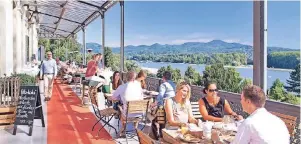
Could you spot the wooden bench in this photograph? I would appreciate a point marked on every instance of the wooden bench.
(290, 121)
(195, 110)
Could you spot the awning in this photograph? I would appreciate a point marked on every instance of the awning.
(63, 19)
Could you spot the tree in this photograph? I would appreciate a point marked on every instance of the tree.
(294, 81)
(192, 76)
(176, 73)
(278, 93)
(245, 82)
(227, 79)
(108, 57)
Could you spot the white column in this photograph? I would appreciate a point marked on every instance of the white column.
(24, 35)
(34, 39)
(6, 38)
(17, 38)
(30, 40)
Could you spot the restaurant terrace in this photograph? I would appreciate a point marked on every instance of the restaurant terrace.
(66, 120)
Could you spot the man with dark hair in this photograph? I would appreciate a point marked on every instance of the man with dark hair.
(261, 126)
(167, 88)
(166, 91)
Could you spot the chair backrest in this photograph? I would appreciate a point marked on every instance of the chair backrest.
(195, 110)
(144, 138)
(290, 121)
(94, 102)
(140, 106)
(161, 116)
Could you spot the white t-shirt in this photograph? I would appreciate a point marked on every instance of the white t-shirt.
(262, 127)
(130, 91)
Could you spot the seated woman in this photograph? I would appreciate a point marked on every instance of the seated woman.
(141, 78)
(213, 107)
(178, 108)
(116, 80)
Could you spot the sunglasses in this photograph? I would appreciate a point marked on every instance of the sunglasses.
(213, 90)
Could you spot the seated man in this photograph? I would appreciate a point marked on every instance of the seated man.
(261, 126)
(130, 91)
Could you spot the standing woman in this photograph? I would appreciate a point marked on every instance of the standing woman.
(212, 107)
(141, 78)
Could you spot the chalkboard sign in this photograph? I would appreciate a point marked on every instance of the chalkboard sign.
(29, 100)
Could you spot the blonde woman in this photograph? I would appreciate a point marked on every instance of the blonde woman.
(178, 108)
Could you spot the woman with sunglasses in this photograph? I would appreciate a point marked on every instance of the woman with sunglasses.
(212, 107)
(178, 108)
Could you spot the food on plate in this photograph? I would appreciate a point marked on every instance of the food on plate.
(190, 138)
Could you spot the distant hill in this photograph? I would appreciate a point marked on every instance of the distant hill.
(215, 46)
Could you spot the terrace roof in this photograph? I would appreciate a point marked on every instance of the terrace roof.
(64, 18)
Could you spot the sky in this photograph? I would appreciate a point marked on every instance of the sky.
(176, 22)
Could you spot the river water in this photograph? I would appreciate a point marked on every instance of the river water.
(246, 72)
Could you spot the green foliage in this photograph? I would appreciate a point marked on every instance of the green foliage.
(108, 57)
(287, 60)
(192, 76)
(25, 79)
(131, 66)
(59, 48)
(226, 59)
(278, 93)
(294, 81)
(227, 79)
(176, 73)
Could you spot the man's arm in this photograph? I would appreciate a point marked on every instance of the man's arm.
(162, 90)
(243, 135)
(55, 69)
(117, 93)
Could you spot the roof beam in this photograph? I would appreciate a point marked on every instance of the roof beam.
(56, 17)
(50, 32)
(92, 15)
(89, 4)
(61, 16)
(57, 29)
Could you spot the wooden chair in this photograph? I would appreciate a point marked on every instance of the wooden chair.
(195, 110)
(134, 107)
(104, 115)
(144, 138)
(290, 121)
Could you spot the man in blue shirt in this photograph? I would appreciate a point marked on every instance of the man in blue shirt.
(48, 72)
(167, 89)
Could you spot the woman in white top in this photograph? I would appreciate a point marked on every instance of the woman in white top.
(178, 109)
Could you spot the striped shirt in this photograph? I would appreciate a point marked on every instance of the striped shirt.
(166, 90)
(49, 67)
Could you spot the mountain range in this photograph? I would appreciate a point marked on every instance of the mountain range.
(214, 46)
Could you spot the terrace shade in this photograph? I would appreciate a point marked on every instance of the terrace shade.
(64, 18)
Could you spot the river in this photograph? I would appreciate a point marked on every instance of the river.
(245, 72)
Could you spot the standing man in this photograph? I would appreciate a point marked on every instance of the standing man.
(100, 66)
(48, 71)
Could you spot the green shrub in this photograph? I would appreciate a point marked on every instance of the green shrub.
(25, 79)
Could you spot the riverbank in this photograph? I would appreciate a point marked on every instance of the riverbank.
(251, 67)
(154, 70)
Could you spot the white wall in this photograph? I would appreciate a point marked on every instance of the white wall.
(6, 38)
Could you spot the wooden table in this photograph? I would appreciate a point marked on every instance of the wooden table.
(171, 136)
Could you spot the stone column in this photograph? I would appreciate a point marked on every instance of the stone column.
(6, 38)
(17, 38)
(34, 39)
(30, 34)
(24, 33)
